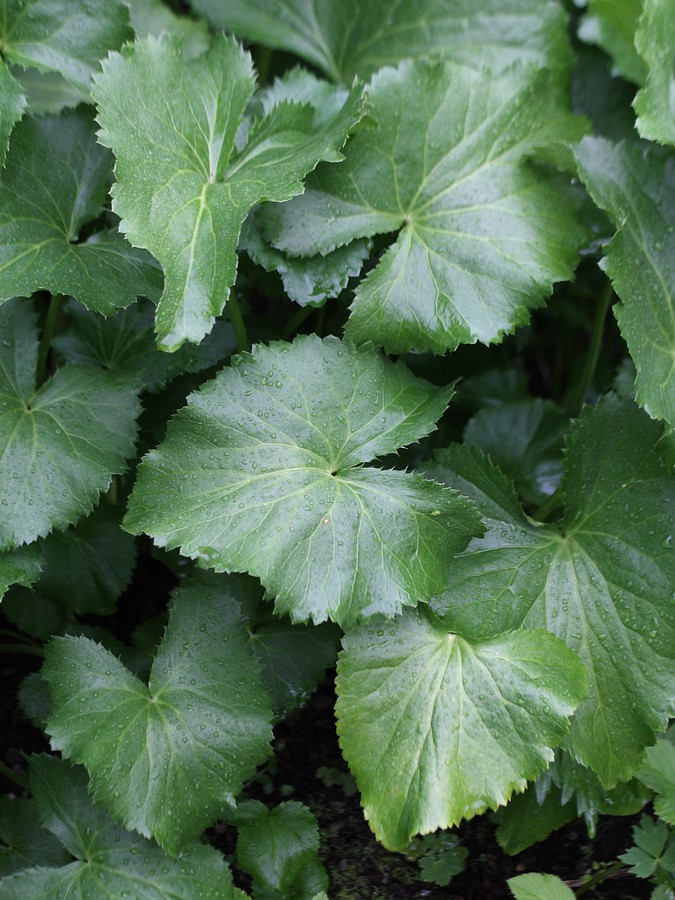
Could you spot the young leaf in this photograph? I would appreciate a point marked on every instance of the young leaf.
(109, 861)
(655, 42)
(658, 773)
(353, 37)
(275, 845)
(536, 886)
(183, 189)
(482, 235)
(62, 443)
(647, 855)
(20, 566)
(602, 582)
(636, 187)
(54, 185)
(437, 728)
(23, 841)
(165, 757)
(262, 472)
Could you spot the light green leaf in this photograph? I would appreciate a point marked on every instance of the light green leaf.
(309, 281)
(655, 42)
(275, 845)
(109, 861)
(167, 757)
(611, 24)
(62, 443)
(54, 185)
(602, 581)
(12, 105)
(353, 37)
(658, 773)
(154, 17)
(23, 841)
(525, 440)
(482, 235)
(87, 567)
(535, 886)
(635, 185)
(20, 566)
(125, 343)
(262, 472)
(437, 728)
(183, 190)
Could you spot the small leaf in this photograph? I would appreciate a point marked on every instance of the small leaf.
(61, 443)
(109, 861)
(20, 566)
(262, 472)
(650, 838)
(658, 773)
(611, 24)
(535, 886)
(525, 820)
(655, 42)
(24, 842)
(183, 189)
(478, 245)
(53, 187)
(437, 728)
(635, 184)
(166, 757)
(154, 17)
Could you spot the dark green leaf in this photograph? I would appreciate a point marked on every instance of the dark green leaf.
(525, 820)
(658, 773)
(611, 24)
(24, 842)
(20, 566)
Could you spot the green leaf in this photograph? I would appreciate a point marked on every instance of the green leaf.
(601, 582)
(61, 443)
(20, 566)
(167, 757)
(535, 886)
(262, 472)
(12, 105)
(650, 837)
(54, 185)
(358, 38)
(109, 861)
(611, 24)
(275, 845)
(183, 190)
(658, 773)
(525, 440)
(636, 186)
(33, 696)
(35, 615)
(437, 728)
(24, 843)
(655, 42)
(125, 343)
(482, 234)
(526, 820)
(309, 281)
(154, 17)
(48, 92)
(87, 567)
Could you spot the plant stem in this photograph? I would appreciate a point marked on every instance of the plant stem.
(53, 311)
(238, 324)
(11, 775)
(296, 320)
(576, 401)
(551, 505)
(598, 878)
(22, 648)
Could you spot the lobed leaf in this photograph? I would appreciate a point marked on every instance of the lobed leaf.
(482, 234)
(658, 773)
(262, 472)
(167, 757)
(437, 728)
(183, 188)
(62, 442)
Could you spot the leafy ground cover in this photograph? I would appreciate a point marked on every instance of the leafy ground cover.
(336, 409)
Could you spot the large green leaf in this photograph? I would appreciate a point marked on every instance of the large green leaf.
(352, 37)
(20, 566)
(62, 443)
(183, 189)
(437, 728)
(602, 581)
(611, 24)
(482, 234)
(167, 757)
(54, 185)
(109, 861)
(262, 472)
(655, 41)
(635, 184)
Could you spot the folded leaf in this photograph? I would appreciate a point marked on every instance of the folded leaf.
(167, 757)
(54, 185)
(262, 472)
(635, 185)
(437, 728)
(482, 235)
(655, 42)
(602, 581)
(62, 443)
(183, 188)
